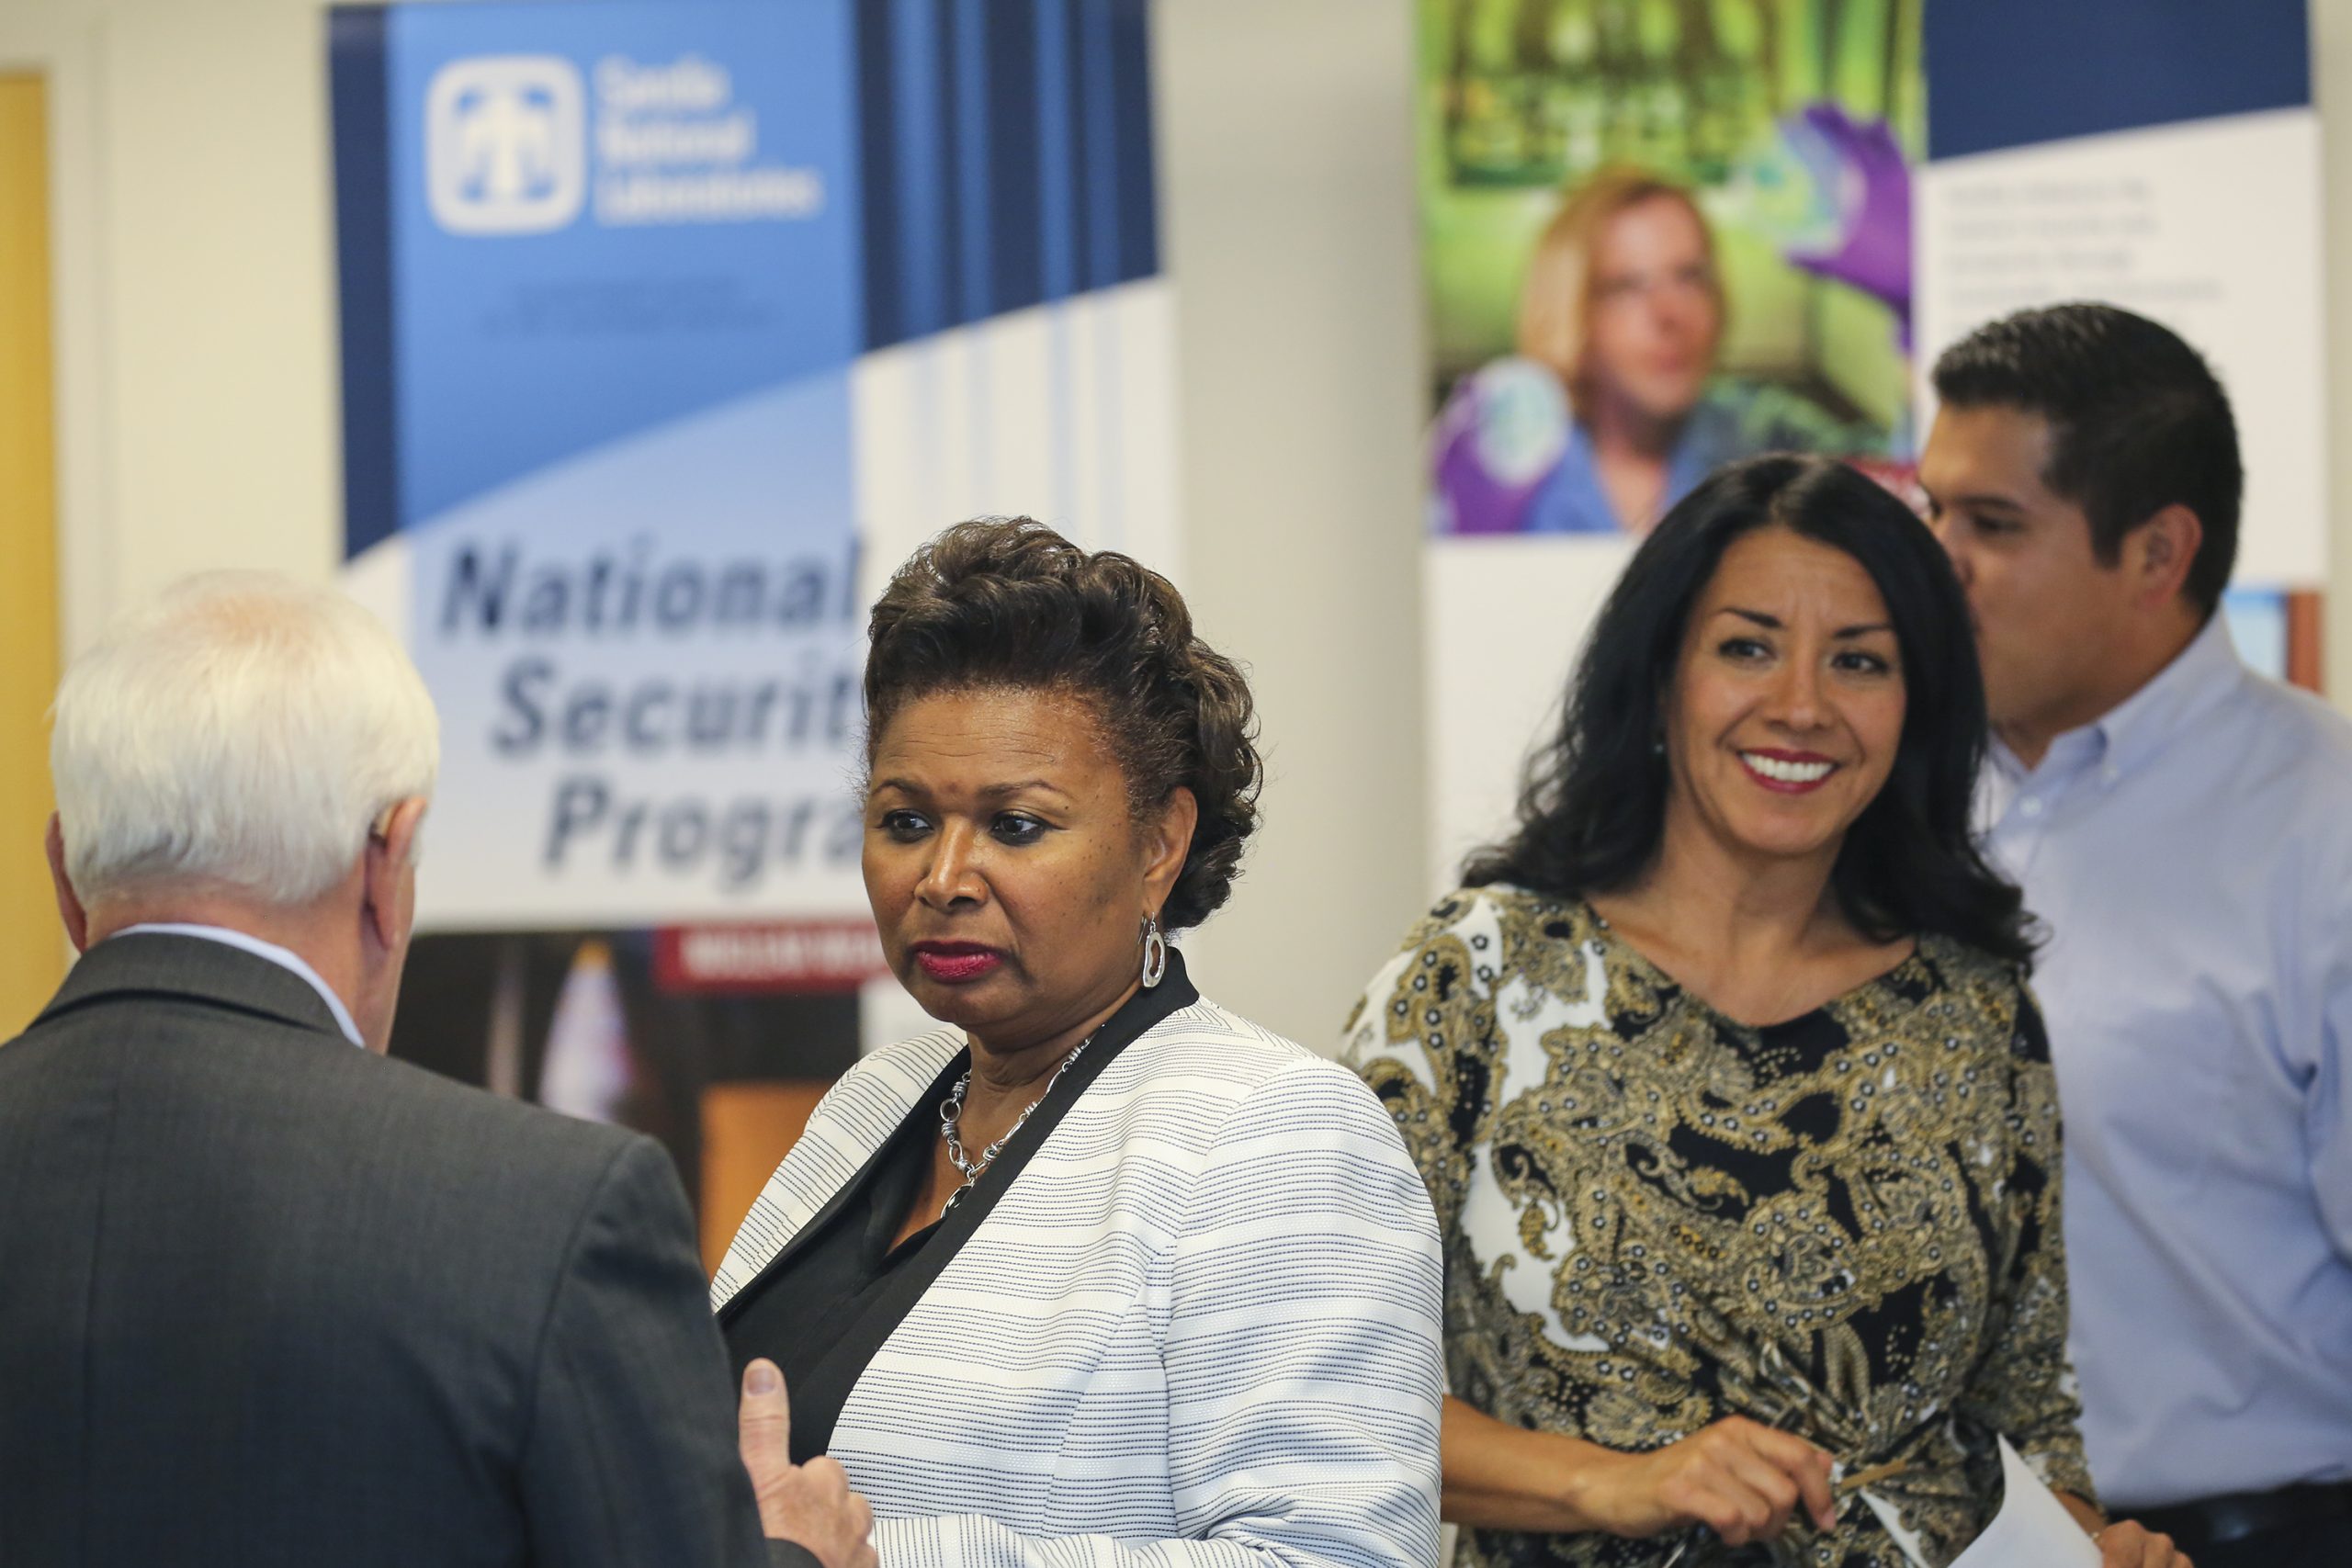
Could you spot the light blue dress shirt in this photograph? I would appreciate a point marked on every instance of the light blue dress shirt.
(2192, 855)
(285, 958)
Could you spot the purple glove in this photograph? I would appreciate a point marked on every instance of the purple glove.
(1865, 169)
(1500, 436)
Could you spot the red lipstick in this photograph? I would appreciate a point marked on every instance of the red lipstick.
(955, 963)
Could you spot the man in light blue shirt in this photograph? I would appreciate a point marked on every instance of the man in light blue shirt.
(2184, 828)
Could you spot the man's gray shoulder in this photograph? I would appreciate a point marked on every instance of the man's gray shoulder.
(487, 1169)
(512, 1137)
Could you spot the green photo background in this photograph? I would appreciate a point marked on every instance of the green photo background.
(1520, 99)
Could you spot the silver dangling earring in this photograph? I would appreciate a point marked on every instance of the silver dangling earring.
(1154, 953)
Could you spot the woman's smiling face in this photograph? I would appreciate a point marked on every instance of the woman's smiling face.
(1788, 700)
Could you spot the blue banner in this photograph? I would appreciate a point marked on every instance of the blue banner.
(610, 276)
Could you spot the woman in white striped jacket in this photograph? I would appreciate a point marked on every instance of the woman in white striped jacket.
(1099, 1274)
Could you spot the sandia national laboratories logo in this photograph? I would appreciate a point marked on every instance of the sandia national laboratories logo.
(505, 145)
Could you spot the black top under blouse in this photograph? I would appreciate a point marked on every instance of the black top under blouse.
(825, 1303)
(838, 1280)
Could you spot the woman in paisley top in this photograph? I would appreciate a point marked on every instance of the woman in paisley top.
(1724, 1077)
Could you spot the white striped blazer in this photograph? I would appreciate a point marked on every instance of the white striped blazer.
(1199, 1329)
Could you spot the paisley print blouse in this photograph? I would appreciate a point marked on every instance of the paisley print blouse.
(1846, 1225)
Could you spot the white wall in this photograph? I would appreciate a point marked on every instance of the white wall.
(1286, 147)
(199, 423)
(202, 373)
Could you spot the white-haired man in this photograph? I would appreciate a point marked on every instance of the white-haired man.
(265, 1298)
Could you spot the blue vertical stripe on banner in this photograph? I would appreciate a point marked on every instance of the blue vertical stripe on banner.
(948, 126)
(1073, 175)
(1138, 225)
(922, 187)
(1013, 167)
(963, 26)
(1008, 146)
(357, 66)
(886, 305)
(1100, 175)
(968, 22)
(1097, 68)
(1057, 252)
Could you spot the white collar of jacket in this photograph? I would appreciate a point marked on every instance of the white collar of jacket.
(859, 1114)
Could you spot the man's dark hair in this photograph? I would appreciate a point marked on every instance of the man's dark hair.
(1593, 815)
(2137, 423)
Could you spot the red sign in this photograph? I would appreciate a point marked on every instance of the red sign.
(785, 956)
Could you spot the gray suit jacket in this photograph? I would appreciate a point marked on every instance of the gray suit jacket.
(265, 1298)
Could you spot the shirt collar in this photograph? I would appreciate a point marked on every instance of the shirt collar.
(283, 958)
(2134, 729)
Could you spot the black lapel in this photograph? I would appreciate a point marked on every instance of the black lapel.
(828, 1385)
(1141, 1011)
(857, 1184)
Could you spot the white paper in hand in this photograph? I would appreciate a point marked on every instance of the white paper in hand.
(2034, 1529)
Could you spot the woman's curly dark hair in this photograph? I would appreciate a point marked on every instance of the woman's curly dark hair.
(1006, 601)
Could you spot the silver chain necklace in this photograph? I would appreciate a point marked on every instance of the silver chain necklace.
(950, 1112)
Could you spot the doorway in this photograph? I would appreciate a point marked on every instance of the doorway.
(32, 957)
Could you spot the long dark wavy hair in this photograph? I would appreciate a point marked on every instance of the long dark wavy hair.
(1592, 811)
